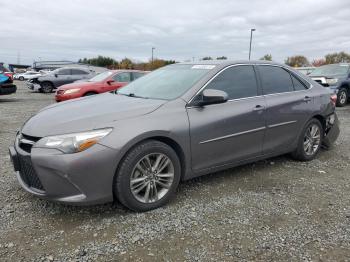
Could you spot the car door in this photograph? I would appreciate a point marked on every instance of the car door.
(63, 76)
(120, 79)
(78, 74)
(231, 131)
(287, 107)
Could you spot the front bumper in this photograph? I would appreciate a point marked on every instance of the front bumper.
(83, 178)
(33, 86)
(63, 97)
(7, 89)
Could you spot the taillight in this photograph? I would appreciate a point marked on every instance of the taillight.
(334, 99)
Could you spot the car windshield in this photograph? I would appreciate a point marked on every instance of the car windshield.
(330, 70)
(166, 83)
(101, 76)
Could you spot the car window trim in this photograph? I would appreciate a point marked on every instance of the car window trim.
(223, 69)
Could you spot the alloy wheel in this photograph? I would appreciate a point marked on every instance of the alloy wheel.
(152, 178)
(342, 97)
(312, 139)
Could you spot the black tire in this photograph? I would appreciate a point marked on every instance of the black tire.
(90, 94)
(46, 87)
(343, 97)
(21, 78)
(300, 153)
(122, 182)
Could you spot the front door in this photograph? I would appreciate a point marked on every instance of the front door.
(232, 131)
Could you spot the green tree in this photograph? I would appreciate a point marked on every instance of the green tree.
(126, 63)
(267, 57)
(297, 61)
(337, 58)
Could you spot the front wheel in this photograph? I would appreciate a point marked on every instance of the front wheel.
(46, 87)
(148, 176)
(310, 141)
(21, 78)
(342, 97)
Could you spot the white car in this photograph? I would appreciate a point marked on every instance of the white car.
(27, 75)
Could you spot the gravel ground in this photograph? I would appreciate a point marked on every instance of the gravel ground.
(276, 209)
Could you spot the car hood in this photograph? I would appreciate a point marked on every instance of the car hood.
(87, 113)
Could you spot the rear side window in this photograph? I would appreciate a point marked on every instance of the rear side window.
(297, 84)
(79, 72)
(122, 77)
(136, 75)
(236, 81)
(275, 79)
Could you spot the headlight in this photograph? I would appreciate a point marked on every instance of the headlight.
(332, 81)
(73, 143)
(71, 91)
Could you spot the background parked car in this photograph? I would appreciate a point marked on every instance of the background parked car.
(101, 83)
(306, 70)
(6, 83)
(27, 75)
(48, 82)
(335, 77)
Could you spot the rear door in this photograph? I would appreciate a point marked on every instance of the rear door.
(232, 131)
(288, 107)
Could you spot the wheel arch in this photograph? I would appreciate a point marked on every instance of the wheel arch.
(175, 145)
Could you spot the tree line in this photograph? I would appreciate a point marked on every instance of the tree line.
(126, 63)
(302, 61)
(294, 61)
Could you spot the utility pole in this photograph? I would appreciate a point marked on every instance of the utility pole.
(251, 38)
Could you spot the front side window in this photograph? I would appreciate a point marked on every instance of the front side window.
(64, 72)
(236, 81)
(122, 77)
(79, 72)
(275, 80)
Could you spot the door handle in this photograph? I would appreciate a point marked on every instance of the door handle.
(258, 108)
(307, 99)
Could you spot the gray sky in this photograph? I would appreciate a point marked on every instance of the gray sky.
(180, 30)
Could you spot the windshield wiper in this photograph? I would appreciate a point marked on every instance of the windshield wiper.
(130, 95)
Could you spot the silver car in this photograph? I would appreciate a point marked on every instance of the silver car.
(176, 123)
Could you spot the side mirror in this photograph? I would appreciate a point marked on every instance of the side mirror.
(211, 96)
(110, 81)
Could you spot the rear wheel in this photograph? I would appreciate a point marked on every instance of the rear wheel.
(46, 87)
(342, 97)
(310, 141)
(21, 78)
(148, 176)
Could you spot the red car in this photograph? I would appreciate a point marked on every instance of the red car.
(101, 83)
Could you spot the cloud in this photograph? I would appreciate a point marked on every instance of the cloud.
(182, 29)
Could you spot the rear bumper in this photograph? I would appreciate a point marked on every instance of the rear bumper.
(8, 89)
(332, 131)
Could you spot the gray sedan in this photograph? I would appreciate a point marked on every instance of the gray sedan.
(176, 123)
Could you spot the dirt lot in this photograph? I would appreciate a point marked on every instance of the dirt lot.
(277, 209)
